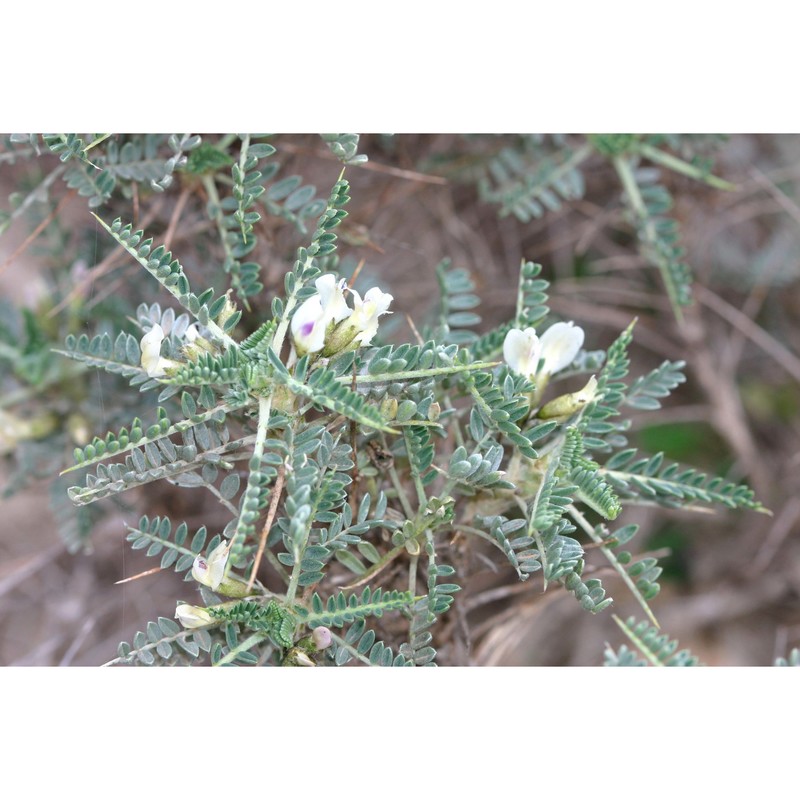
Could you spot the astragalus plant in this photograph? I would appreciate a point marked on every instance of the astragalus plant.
(354, 470)
(355, 473)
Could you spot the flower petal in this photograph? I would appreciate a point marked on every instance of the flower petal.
(521, 351)
(560, 344)
(331, 294)
(192, 616)
(308, 326)
(150, 345)
(366, 313)
(211, 571)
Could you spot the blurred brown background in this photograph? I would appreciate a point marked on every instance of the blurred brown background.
(731, 589)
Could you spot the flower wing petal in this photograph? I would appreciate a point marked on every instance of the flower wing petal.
(560, 344)
(521, 351)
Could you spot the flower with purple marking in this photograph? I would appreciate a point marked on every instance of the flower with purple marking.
(312, 318)
(211, 571)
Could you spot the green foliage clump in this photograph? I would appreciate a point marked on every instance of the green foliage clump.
(349, 462)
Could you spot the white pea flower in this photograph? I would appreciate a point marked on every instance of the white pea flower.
(310, 321)
(331, 295)
(210, 572)
(522, 351)
(191, 333)
(192, 616)
(308, 330)
(558, 346)
(366, 313)
(153, 362)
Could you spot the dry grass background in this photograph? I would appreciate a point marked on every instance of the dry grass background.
(733, 590)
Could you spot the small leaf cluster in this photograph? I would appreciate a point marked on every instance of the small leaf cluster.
(157, 645)
(345, 147)
(654, 648)
(179, 550)
(340, 609)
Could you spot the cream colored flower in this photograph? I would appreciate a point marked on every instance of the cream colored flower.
(560, 344)
(522, 351)
(153, 362)
(211, 571)
(310, 321)
(365, 315)
(192, 616)
(331, 295)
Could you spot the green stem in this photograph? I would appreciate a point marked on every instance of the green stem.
(480, 533)
(249, 642)
(631, 188)
(211, 189)
(212, 326)
(226, 141)
(456, 426)
(634, 195)
(534, 532)
(638, 643)
(291, 301)
(413, 374)
(301, 547)
(97, 141)
(294, 580)
(178, 427)
(242, 161)
(264, 410)
(152, 645)
(82, 497)
(595, 537)
(350, 649)
(402, 495)
(684, 168)
(412, 575)
(421, 497)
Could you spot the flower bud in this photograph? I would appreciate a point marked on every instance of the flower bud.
(322, 638)
(389, 408)
(568, 404)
